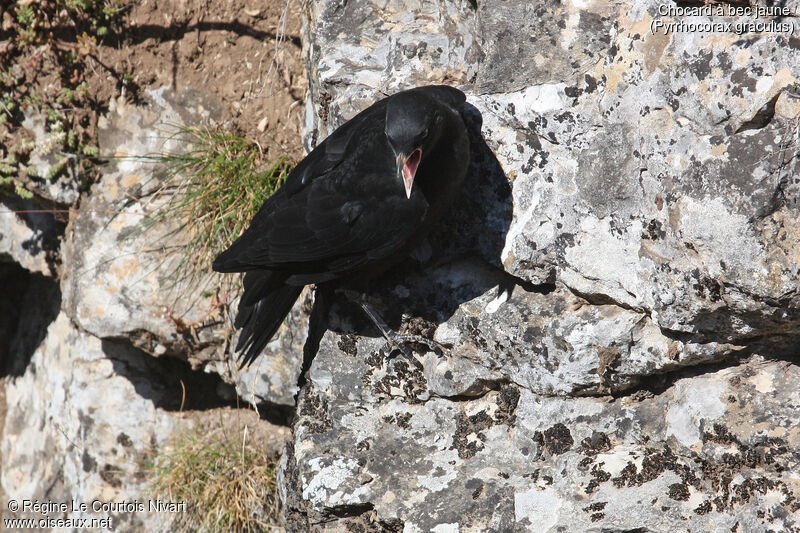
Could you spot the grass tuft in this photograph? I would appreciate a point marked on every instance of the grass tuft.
(228, 483)
(215, 186)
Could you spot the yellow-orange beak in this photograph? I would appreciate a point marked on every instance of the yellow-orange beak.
(407, 166)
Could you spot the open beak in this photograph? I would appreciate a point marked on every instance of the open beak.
(407, 165)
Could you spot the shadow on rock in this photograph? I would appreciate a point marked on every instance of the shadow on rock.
(28, 305)
(171, 384)
(461, 261)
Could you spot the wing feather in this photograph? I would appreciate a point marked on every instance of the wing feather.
(339, 207)
(311, 231)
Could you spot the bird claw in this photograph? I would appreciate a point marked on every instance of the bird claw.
(398, 347)
(398, 341)
(432, 345)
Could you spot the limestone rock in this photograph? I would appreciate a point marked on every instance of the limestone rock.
(28, 236)
(85, 420)
(375, 445)
(119, 279)
(629, 226)
(116, 260)
(63, 438)
(354, 49)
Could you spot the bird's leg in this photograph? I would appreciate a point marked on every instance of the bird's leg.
(395, 339)
(398, 339)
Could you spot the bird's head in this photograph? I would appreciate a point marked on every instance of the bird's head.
(413, 126)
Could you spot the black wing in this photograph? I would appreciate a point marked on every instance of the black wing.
(339, 210)
(333, 150)
(327, 230)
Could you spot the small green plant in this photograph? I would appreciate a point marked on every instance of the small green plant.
(8, 106)
(67, 95)
(217, 184)
(18, 188)
(90, 151)
(227, 482)
(29, 23)
(56, 169)
(42, 69)
(36, 23)
(26, 15)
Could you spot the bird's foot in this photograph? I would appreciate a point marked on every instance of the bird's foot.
(398, 347)
(398, 341)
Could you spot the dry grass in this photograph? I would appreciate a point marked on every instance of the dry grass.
(214, 186)
(227, 481)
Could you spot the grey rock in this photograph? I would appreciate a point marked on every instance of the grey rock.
(665, 199)
(629, 228)
(28, 236)
(354, 49)
(119, 277)
(117, 261)
(77, 427)
(272, 378)
(555, 343)
(84, 422)
(374, 443)
(547, 42)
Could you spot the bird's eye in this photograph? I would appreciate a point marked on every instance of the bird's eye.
(424, 133)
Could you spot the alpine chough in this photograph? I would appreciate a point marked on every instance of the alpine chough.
(359, 203)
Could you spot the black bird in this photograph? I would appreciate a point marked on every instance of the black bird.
(359, 203)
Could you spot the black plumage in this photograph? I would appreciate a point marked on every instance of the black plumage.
(356, 205)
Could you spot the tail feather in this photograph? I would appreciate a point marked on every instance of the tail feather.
(262, 308)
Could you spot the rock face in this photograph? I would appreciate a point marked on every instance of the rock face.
(618, 289)
(62, 441)
(102, 365)
(377, 447)
(120, 262)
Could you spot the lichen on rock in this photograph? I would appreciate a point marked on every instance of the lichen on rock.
(619, 351)
(616, 290)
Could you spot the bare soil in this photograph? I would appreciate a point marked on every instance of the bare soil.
(246, 52)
